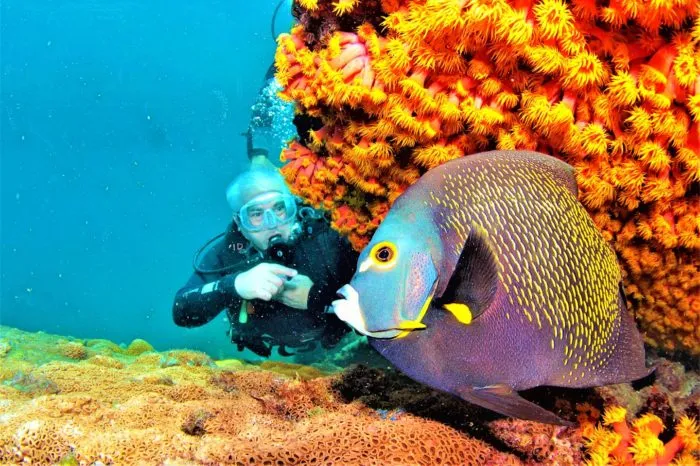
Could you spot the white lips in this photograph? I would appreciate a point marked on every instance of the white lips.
(348, 309)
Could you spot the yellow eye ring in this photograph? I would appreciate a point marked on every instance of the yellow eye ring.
(384, 254)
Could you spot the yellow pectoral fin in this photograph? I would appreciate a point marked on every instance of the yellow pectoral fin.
(460, 311)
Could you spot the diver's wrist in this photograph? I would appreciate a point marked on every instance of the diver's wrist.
(230, 286)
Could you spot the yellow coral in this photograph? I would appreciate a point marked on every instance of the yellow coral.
(614, 414)
(688, 432)
(341, 7)
(645, 446)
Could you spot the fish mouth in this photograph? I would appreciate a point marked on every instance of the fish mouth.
(348, 310)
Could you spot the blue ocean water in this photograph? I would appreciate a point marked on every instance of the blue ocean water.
(120, 129)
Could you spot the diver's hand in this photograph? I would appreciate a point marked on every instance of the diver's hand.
(295, 292)
(262, 281)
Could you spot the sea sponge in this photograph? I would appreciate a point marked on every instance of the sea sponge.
(394, 88)
(541, 443)
(295, 399)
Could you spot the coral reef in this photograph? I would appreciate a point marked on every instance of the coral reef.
(120, 408)
(138, 346)
(536, 443)
(391, 88)
(141, 411)
(73, 350)
(639, 443)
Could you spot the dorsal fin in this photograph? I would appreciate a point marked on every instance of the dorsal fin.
(475, 279)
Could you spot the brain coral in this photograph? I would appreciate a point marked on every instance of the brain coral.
(392, 88)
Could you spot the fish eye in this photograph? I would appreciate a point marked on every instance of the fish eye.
(384, 254)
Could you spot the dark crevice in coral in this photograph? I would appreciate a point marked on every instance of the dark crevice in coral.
(693, 411)
(690, 363)
(644, 382)
(322, 22)
(305, 123)
(356, 114)
(659, 405)
(389, 390)
(403, 156)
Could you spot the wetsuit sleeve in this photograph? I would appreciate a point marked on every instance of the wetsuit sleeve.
(341, 261)
(204, 296)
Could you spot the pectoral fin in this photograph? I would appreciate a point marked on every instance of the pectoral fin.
(505, 400)
(473, 284)
(461, 312)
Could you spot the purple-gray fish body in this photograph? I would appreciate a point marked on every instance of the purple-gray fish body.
(488, 277)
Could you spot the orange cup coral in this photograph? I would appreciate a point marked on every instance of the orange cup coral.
(613, 88)
(639, 443)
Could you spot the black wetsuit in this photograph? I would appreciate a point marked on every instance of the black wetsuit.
(320, 253)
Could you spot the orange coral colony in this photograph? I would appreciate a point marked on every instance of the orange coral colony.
(618, 442)
(398, 87)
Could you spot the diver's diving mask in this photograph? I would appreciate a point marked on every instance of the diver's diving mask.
(267, 211)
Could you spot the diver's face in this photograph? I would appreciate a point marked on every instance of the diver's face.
(267, 215)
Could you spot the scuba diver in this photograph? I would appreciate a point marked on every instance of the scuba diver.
(275, 271)
(278, 265)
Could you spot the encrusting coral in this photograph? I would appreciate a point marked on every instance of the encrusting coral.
(395, 87)
(181, 407)
(125, 409)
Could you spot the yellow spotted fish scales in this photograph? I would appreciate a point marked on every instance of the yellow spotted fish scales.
(487, 277)
(553, 266)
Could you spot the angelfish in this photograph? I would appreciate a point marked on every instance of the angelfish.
(487, 277)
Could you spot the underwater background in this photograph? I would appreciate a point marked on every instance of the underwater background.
(121, 125)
